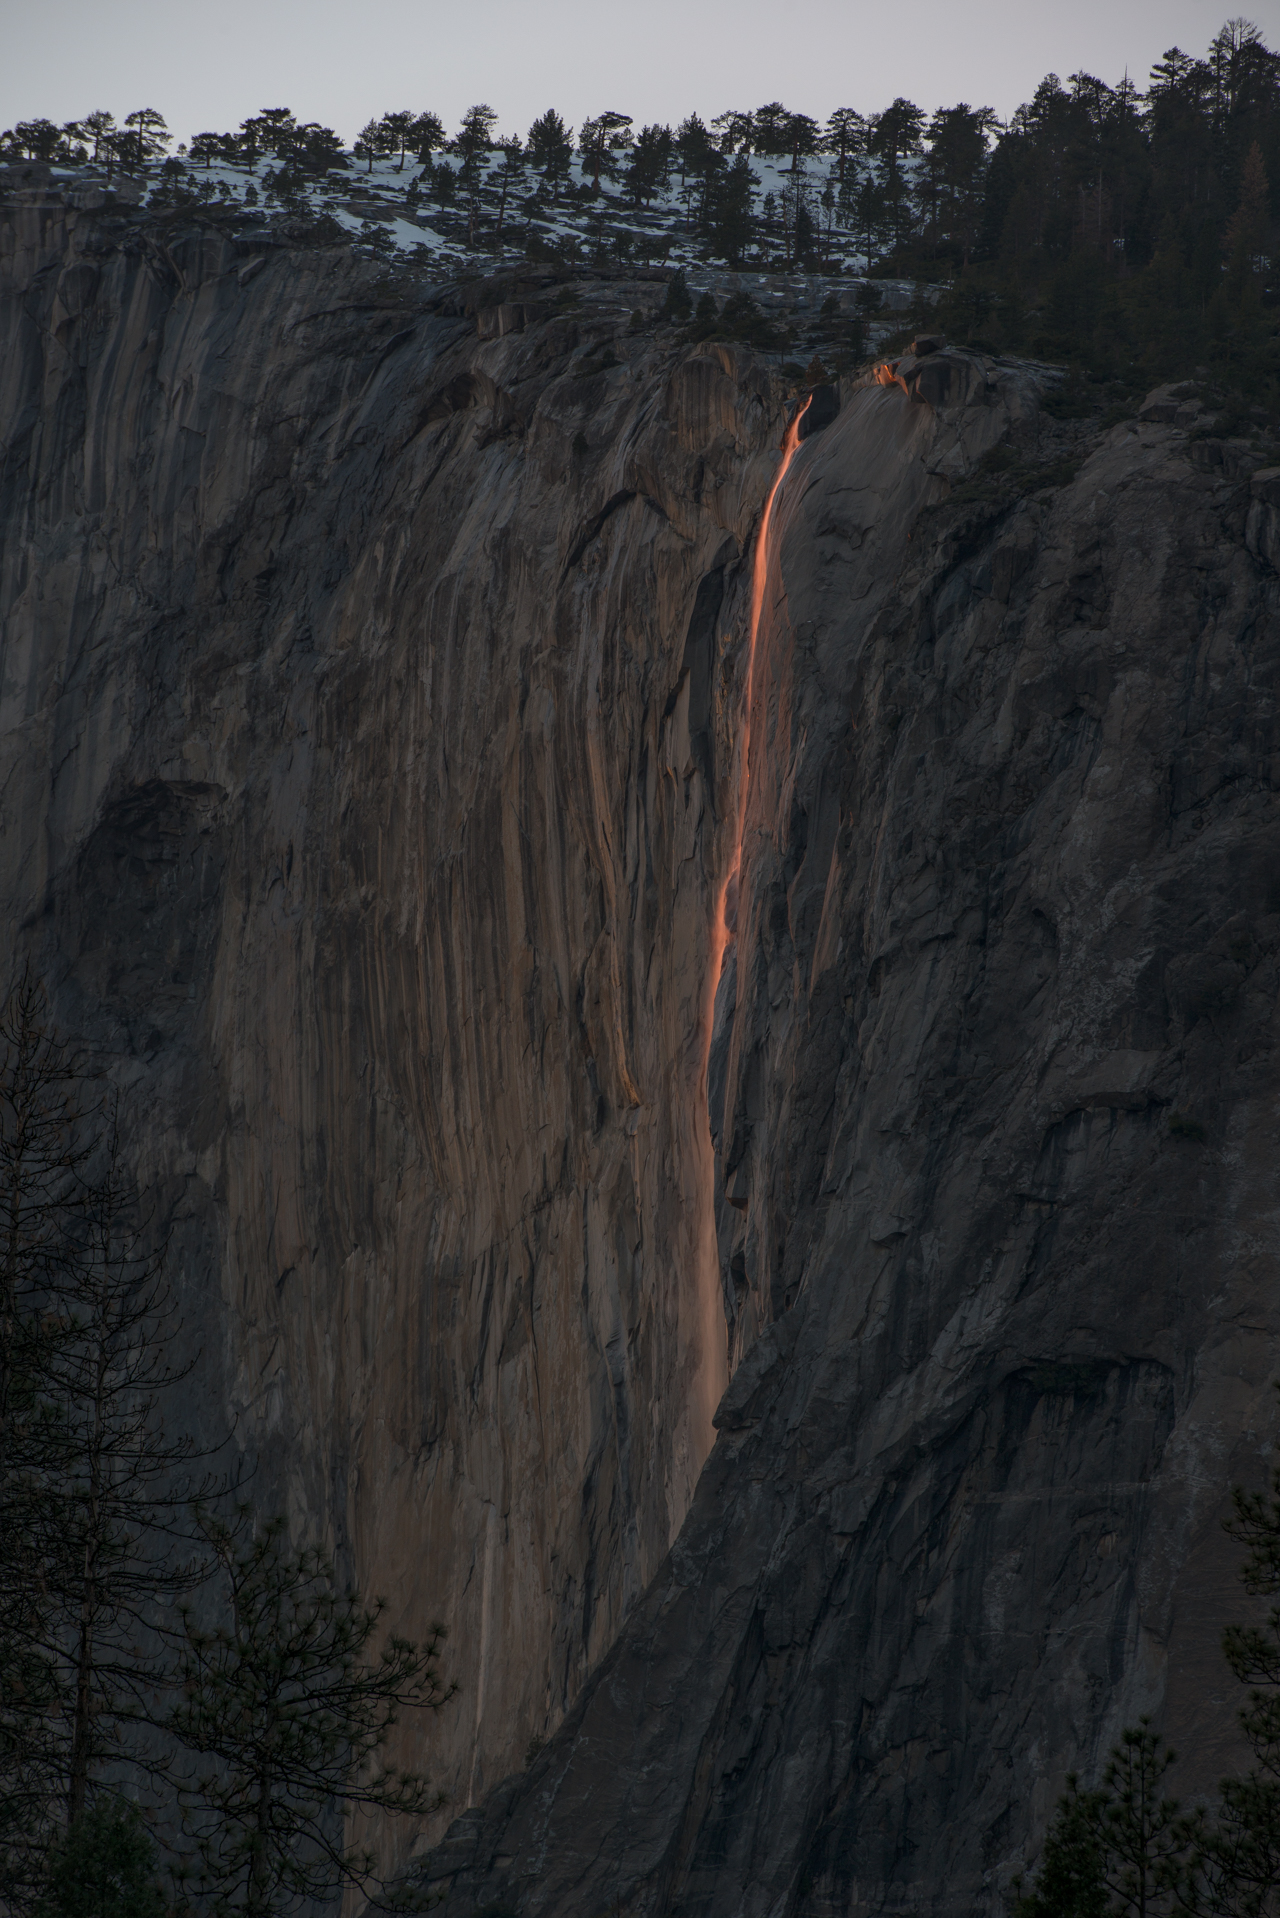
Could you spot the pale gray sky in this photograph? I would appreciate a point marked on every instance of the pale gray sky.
(210, 66)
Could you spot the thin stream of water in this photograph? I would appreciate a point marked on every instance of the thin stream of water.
(724, 923)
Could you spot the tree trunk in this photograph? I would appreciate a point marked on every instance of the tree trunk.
(8, 1305)
(257, 1903)
(82, 1721)
(78, 1785)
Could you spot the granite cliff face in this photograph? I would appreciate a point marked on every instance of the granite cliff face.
(998, 1145)
(371, 690)
(359, 803)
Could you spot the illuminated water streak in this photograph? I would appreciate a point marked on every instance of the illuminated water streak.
(713, 1355)
(724, 924)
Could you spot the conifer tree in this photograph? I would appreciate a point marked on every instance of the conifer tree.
(599, 139)
(445, 182)
(288, 1711)
(648, 163)
(99, 126)
(428, 136)
(846, 134)
(735, 130)
(104, 1866)
(771, 123)
(93, 1492)
(954, 171)
(249, 141)
(273, 130)
(150, 135)
(895, 134)
(827, 200)
(314, 149)
(798, 228)
(804, 139)
(678, 304)
(691, 146)
(1124, 1848)
(1246, 235)
(892, 137)
(510, 174)
(474, 140)
(42, 1159)
(371, 143)
(285, 1699)
(551, 150)
(475, 135)
(71, 148)
(727, 221)
(125, 1549)
(1242, 1847)
(1070, 1881)
(398, 129)
(35, 139)
(206, 148)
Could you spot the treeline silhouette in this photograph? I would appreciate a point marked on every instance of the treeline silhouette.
(190, 1706)
(1134, 233)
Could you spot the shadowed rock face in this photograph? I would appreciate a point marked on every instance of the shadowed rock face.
(997, 1164)
(371, 683)
(361, 740)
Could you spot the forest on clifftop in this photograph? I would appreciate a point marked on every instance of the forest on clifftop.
(1131, 233)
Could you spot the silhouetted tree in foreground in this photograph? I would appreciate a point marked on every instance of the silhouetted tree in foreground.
(127, 1546)
(1242, 1850)
(289, 1716)
(1126, 1848)
(95, 1532)
(147, 1645)
(105, 1866)
(42, 1160)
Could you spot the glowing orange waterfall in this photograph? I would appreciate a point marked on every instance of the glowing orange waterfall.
(712, 1374)
(726, 914)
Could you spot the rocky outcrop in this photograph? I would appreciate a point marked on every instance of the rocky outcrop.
(372, 684)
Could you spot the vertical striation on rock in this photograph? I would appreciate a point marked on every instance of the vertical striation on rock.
(993, 1087)
(372, 685)
(360, 799)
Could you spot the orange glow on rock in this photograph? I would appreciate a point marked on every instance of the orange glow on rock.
(724, 923)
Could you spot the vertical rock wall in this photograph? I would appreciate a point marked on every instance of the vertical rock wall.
(362, 731)
(996, 1084)
(370, 685)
